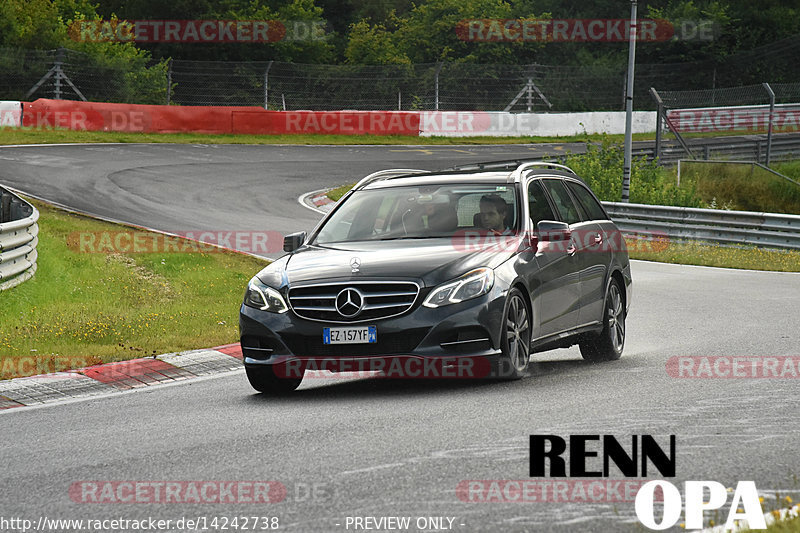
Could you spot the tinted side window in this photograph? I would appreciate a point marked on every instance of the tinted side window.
(590, 205)
(564, 205)
(537, 204)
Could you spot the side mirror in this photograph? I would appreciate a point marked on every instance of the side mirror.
(294, 241)
(552, 231)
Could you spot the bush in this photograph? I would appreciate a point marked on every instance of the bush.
(601, 168)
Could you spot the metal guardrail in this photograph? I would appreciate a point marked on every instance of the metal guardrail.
(18, 239)
(712, 225)
(742, 148)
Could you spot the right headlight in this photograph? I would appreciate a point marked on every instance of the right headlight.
(263, 297)
(471, 285)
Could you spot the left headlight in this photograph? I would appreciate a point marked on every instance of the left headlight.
(471, 285)
(263, 297)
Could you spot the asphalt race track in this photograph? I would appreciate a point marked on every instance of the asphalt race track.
(178, 188)
(376, 447)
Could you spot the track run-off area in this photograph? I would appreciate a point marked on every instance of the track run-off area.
(371, 447)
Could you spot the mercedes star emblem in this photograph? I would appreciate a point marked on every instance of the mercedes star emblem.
(349, 302)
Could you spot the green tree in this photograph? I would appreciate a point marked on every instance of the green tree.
(433, 31)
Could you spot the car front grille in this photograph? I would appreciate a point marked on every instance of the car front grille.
(381, 299)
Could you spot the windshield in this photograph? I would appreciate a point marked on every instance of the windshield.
(422, 212)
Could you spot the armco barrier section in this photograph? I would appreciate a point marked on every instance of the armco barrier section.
(503, 124)
(95, 116)
(712, 225)
(18, 239)
(10, 113)
(737, 148)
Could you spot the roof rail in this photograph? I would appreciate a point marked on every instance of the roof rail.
(509, 164)
(546, 164)
(512, 164)
(388, 174)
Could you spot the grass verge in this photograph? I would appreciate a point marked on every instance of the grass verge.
(792, 525)
(86, 308)
(28, 135)
(703, 254)
(744, 187)
(338, 192)
(9, 135)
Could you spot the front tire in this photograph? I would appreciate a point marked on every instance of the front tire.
(608, 344)
(515, 339)
(264, 379)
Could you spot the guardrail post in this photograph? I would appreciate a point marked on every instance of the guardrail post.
(771, 118)
(5, 207)
(706, 152)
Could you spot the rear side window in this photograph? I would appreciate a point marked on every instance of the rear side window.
(566, 208)
(537, 204)
(588, 201)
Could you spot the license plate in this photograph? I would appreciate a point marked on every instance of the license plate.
(353, 335)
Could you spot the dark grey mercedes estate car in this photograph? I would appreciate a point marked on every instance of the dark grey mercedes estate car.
(459, 273)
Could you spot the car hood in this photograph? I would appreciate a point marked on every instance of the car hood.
(431, 260)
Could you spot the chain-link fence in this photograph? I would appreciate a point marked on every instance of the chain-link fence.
(444, 86)
(785, 93)
(67, 74)
(71, 75)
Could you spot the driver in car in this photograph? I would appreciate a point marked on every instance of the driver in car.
(493, 211)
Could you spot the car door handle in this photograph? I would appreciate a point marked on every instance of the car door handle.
(598, 239)
(571, 249)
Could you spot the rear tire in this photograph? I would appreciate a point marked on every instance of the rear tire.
(515, 339)
(609, 343)
(264, 379)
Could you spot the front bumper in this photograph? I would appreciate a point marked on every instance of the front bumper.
(467, 330)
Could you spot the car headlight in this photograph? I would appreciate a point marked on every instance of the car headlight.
(264, 298)
(470, 285)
